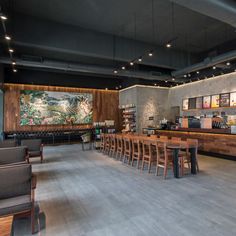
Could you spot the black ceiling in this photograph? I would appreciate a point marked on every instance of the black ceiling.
(109, 34)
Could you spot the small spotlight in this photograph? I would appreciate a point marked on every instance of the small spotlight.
(14, 70)
(150, 54)
(7, 37)
(228, 63)
(13, 63)
(185, 76)
(131, 63)
(3, 17)
(120, 86)
(166, 81)
(173, 79)
(117, 87)
(106, 88)
(168, 45)
(11, 50)
(213, 67)
(140, 59)
(197, 72)
(155, 84)
(115, 71)
(189, 75)
(123, 67)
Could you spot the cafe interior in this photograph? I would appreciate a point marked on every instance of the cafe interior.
(118, 118)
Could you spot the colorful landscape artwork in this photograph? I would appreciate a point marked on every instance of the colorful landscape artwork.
(50, 108)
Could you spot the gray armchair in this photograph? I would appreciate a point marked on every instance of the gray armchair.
(34, 148)
(12, 155)
(8, 143)
(17, 185)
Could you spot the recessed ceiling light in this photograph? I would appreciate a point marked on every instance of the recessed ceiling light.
(14, 70)
(228, 63)
(185, 76)
(155, 84)
(3, 17)
(117, 88)
(189, 75)
(106, 88)
(115, 71)
(166, 81)
(150, 54)
(123, 67)
(197, 72)
(173, 79)
(140, 59)
(120, 86)
(7, 37)
(11, 50)
(13, 63)
(131, 63)
(213, 67)
(168, 45)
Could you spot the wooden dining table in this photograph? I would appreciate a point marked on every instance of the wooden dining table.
(176, 146)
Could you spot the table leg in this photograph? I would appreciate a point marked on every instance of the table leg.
(176, 162)
(193, 160)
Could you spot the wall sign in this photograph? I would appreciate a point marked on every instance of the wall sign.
(233, 99)
(48, 108)
(215, 101)
(185, 104)
(192, 103)
(207, 102)
(199, 103)
(224, 100)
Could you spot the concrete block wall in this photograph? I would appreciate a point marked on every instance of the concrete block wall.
(156, 102)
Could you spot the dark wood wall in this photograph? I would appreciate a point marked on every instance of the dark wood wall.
(105, 107)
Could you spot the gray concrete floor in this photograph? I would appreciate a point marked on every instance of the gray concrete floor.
(88, 193)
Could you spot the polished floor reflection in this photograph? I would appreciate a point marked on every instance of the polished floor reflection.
(88, 193)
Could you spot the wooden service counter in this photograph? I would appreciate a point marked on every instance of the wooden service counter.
(221, 144)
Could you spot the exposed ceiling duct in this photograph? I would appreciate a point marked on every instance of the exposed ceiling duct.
(208, 62)
(80, 68)
(222, 10)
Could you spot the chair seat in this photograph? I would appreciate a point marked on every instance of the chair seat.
(34, 153)
(15, 205)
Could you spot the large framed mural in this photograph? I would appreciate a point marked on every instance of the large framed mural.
(52, 108)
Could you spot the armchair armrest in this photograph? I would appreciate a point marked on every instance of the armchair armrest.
(33, 181)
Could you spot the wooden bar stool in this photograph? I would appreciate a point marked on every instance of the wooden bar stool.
(127, 149)
(112, 145)
(136, 151)
(148, 156)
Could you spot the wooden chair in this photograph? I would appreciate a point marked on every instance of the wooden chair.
(112, 145)
(127, 149)
(34, 148)
(136, 151)
(120, 147)
(107, 144)
(13, 155)
(102, 142)
(148, 155)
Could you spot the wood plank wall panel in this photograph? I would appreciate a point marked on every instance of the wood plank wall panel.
(216, 143)
(105, 107)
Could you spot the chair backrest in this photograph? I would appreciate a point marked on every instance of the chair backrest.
(87, 137)
(32, 144)
(8, 143)
(127, 144)
(175, 139)
(135, 142)
(12, 155)
(15, 180)
(161, 149)
(146, 147)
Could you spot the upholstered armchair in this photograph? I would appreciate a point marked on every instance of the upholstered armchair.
(17, 185)
(34, 148)
(8, 143)
(13, 155)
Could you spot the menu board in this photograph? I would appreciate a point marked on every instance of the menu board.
(233, 99)
(224, 100)
(199, 103)
(192, 103)
(185, 104)
(207, 102)
(215, 101)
